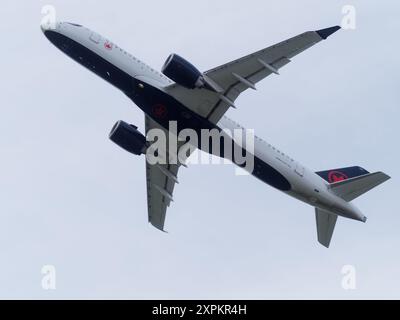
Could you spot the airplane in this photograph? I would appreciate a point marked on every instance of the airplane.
(199, 100)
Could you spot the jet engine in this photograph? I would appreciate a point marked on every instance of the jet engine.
(128, 138)
(183, 72)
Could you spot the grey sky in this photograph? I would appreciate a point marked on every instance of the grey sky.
(72, 199)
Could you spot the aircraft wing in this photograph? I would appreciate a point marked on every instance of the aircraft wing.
(235, 77)
(161, 180)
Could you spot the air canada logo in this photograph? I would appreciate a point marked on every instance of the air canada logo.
(336, 176)
(108, 45)
(160, 111)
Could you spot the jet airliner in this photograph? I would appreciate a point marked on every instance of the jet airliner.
(199, 100)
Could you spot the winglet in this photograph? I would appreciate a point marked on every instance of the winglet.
(325, 33)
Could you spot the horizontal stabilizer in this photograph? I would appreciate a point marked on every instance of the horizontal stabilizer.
(353, 188)
(326, 223)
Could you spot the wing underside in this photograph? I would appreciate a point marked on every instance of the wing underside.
(231, 80)
(237, 76)
(160, 180)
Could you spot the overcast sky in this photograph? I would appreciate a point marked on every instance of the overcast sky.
(72, 199)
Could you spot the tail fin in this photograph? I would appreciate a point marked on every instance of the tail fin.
(349, 184)
(336, 175)
(353, 188)
(326, 222)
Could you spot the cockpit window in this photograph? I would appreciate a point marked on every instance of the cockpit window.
(74, 24)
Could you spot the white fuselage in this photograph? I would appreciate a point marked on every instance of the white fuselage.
(306, 185)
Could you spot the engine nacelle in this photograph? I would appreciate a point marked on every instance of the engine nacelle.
(183, 72)
(128, 138)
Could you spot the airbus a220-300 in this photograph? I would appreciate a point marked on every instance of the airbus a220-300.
(199, 100)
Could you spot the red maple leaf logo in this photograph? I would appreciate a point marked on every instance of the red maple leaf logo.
(108, 45)
(336, 176)
(160, 111)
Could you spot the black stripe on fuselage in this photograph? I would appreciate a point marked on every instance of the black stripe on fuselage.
(154, 102)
